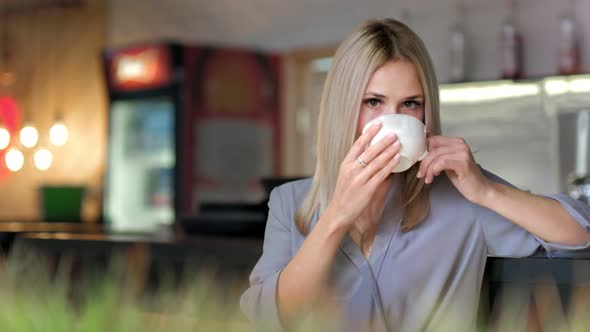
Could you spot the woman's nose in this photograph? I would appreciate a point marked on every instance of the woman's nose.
(391, 110)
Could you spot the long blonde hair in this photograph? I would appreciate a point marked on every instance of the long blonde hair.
(357, 58)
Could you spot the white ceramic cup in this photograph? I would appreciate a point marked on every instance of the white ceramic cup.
(410, 132)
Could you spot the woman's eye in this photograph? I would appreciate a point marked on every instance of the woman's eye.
(411, 104)
(373, 102)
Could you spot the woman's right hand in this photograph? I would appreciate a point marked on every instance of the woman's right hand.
(357, 183)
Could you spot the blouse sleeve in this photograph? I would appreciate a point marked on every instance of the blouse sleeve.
(580, 212)
(506, 239)
(259, 302)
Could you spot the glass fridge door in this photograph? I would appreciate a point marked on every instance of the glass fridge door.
(139, 188)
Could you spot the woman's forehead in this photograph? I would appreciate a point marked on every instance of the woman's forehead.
(395, 77)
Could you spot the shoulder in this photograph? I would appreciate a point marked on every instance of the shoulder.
(442, 190)
(289, 196)
(444, 195)
(448, 203)
(296, 188)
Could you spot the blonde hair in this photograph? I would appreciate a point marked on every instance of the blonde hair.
(357, 58)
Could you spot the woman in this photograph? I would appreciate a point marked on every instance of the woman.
(403, 252)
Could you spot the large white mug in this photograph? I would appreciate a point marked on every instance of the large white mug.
(410, 132)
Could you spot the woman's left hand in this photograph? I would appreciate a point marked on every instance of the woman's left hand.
(453, 156)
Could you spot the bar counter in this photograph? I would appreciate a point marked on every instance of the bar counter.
(9, 230)
(233, 258)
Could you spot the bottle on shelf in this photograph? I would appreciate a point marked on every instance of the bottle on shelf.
(512, 46)
(569, 47)
(458, 48)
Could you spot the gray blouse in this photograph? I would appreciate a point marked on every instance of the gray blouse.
(426, 279)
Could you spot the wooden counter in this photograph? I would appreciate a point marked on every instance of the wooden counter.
(23, 227)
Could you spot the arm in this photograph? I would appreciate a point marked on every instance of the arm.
(544, 217)
(259, 301)
(304, 277)
(282, 285)
(541, 216)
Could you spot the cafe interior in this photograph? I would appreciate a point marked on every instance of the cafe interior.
(146, 136)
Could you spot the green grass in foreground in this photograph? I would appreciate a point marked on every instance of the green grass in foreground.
(36, 296)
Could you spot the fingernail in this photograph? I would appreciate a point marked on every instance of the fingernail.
(376, 124)
(396, 144)
(419, 174)
(390, 135)
(396, 157)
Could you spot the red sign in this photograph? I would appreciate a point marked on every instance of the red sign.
(9, 117)
(138, 68)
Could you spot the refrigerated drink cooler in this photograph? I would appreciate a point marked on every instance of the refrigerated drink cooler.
(192, 131)
(141, 165)
(144, 94)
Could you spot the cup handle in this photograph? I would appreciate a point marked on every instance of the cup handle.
(423, 155)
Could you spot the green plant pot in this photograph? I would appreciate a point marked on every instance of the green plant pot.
(61, 203)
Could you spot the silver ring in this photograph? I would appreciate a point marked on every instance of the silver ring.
(361, 161)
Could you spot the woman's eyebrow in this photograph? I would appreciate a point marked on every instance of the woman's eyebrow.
(374, 94)
(378, 95)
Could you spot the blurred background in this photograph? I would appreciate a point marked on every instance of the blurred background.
(254, 71)
(169, 122)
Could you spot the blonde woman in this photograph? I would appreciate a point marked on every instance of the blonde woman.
(403, 251)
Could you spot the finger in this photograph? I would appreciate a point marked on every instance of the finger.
(431, 156)
(386, 171)
(449, 162)
(361, 143)
(379, 162)
(438, 141)
(460, 152)
(435, 167)
(376, 149)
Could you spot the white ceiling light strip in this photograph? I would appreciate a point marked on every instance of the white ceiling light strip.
(453, 95)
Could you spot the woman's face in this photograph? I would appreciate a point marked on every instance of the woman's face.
(393, 88)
